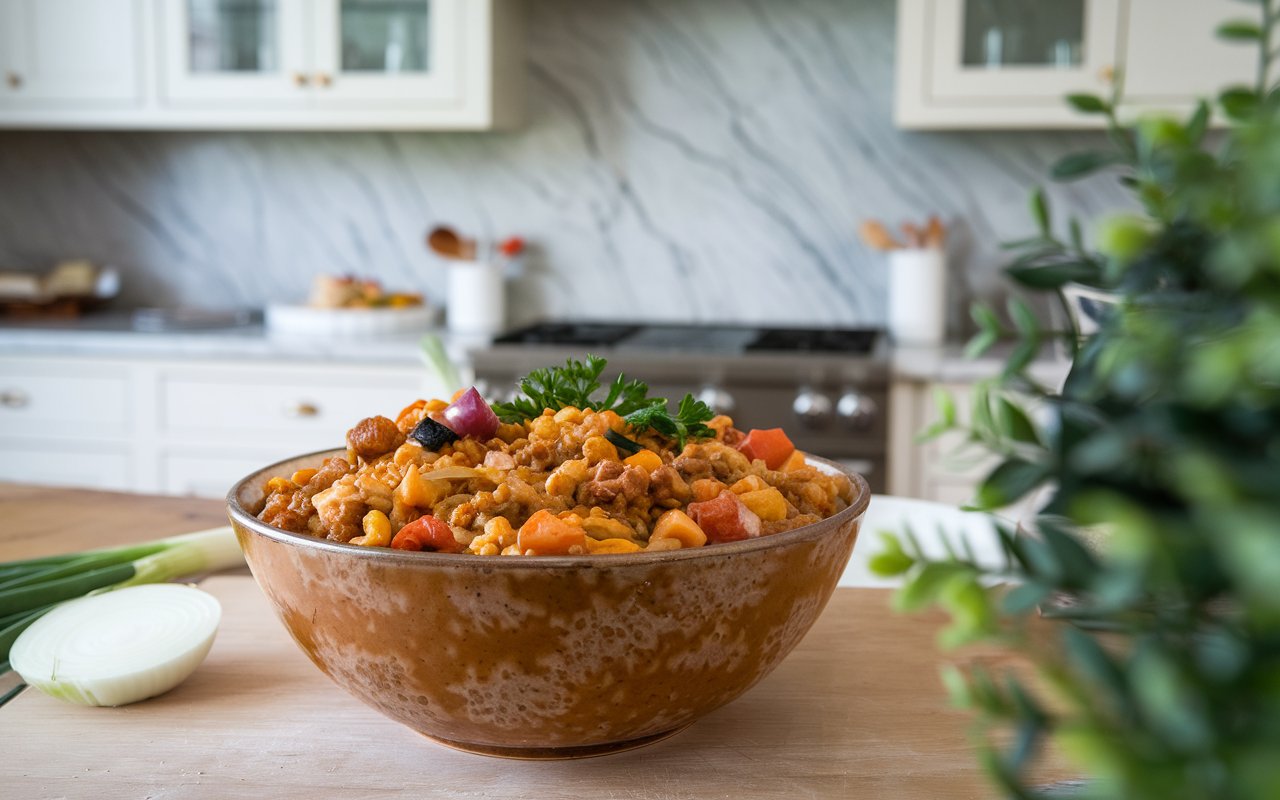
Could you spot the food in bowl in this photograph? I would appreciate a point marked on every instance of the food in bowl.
(558, 471)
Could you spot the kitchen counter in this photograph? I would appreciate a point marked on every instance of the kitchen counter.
(856, 711)
(947, 364)
(112, 335)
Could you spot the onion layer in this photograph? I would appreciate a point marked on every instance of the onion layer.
(118, 647)
(470, 415)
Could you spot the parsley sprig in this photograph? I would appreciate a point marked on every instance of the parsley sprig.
(576, 383)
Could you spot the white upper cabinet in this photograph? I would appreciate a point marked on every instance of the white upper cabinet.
(1008, 63)
(237, 53)
(81, 51)
(265, 64)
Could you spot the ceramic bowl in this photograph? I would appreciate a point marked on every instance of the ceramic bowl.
(546, 657)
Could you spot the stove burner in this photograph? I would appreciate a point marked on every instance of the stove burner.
(576, 333)
(855, 340)
(717, 339)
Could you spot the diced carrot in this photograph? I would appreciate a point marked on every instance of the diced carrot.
(545, 534)
(725, 519)
(794, 461)
(416, 405)
(770, 445)
(707, 489)
(427, 533)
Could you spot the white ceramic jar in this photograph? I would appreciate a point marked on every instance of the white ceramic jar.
(477, 297)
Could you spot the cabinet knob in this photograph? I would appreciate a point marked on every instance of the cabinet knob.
(14, 398)
(303, 411)
(324, 79)
(300, 79)
(13, 79)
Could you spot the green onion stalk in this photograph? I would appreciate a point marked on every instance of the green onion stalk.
(30, 589)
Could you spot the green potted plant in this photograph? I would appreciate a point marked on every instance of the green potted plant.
(1161, 677)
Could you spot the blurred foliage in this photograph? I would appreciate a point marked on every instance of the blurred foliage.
(1162, 679)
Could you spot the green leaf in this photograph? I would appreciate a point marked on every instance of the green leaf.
(1016, 423)
(1198, 124)
(1040, 211)
(1088, 103)
(981, 343)
(1024, 598)
(892, 560)
(1054, 276)
(985, 318)
(1078, 165)
(1239, 30)
(926, 585)
(1239, 102)
(1009, 482)
(1024, 319)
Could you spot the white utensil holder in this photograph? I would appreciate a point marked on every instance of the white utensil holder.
(477, 297)
(917, 296)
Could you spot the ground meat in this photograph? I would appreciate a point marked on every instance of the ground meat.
(668, 488)
(374, 436)
(613, 480)
(289, 508)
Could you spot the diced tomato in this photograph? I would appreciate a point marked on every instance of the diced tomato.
(770, 445)
(427, 533)
(725, 519)
(545, 534)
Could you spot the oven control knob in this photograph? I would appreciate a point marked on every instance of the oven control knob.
(718, 399)
(813, 409)
(857, 410)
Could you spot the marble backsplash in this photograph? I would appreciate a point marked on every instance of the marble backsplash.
(686, 161)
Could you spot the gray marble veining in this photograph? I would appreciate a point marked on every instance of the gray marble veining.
(704, 161)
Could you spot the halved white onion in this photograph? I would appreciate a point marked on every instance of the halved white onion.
(118, 647)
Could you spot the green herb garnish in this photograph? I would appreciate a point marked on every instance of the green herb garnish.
(576, 383)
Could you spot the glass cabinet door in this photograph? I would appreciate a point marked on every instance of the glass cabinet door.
(386, 50)
(241, 49)
(1021, 50)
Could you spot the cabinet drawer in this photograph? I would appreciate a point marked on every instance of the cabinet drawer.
(308, 410)
(37, 400)
(32, 462)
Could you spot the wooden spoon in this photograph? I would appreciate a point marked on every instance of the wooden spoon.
(935, 233)
(446, 243)
(877, 236)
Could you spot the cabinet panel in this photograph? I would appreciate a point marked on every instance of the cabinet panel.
(58, 465)
(390, 50)
(63, 403)
(1018, 53)
(1200, 65)
(306, 409)
(235, 53)
(80, 50)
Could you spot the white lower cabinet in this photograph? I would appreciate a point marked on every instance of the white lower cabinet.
(188, 428)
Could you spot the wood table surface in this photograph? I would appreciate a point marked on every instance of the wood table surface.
(857, 710)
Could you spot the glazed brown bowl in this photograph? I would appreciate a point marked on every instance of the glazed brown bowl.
(550, 656)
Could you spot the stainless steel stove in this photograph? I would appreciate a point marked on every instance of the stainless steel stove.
(828, 388)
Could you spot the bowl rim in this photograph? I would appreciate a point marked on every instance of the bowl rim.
(814, 530)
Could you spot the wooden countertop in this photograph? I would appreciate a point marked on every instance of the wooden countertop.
(857, 710)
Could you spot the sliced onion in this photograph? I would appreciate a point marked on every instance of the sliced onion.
(118, 647)
(470, 415)
(452, 473)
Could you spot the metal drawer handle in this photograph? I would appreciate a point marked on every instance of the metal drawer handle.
(303, 410)
(14, 398)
